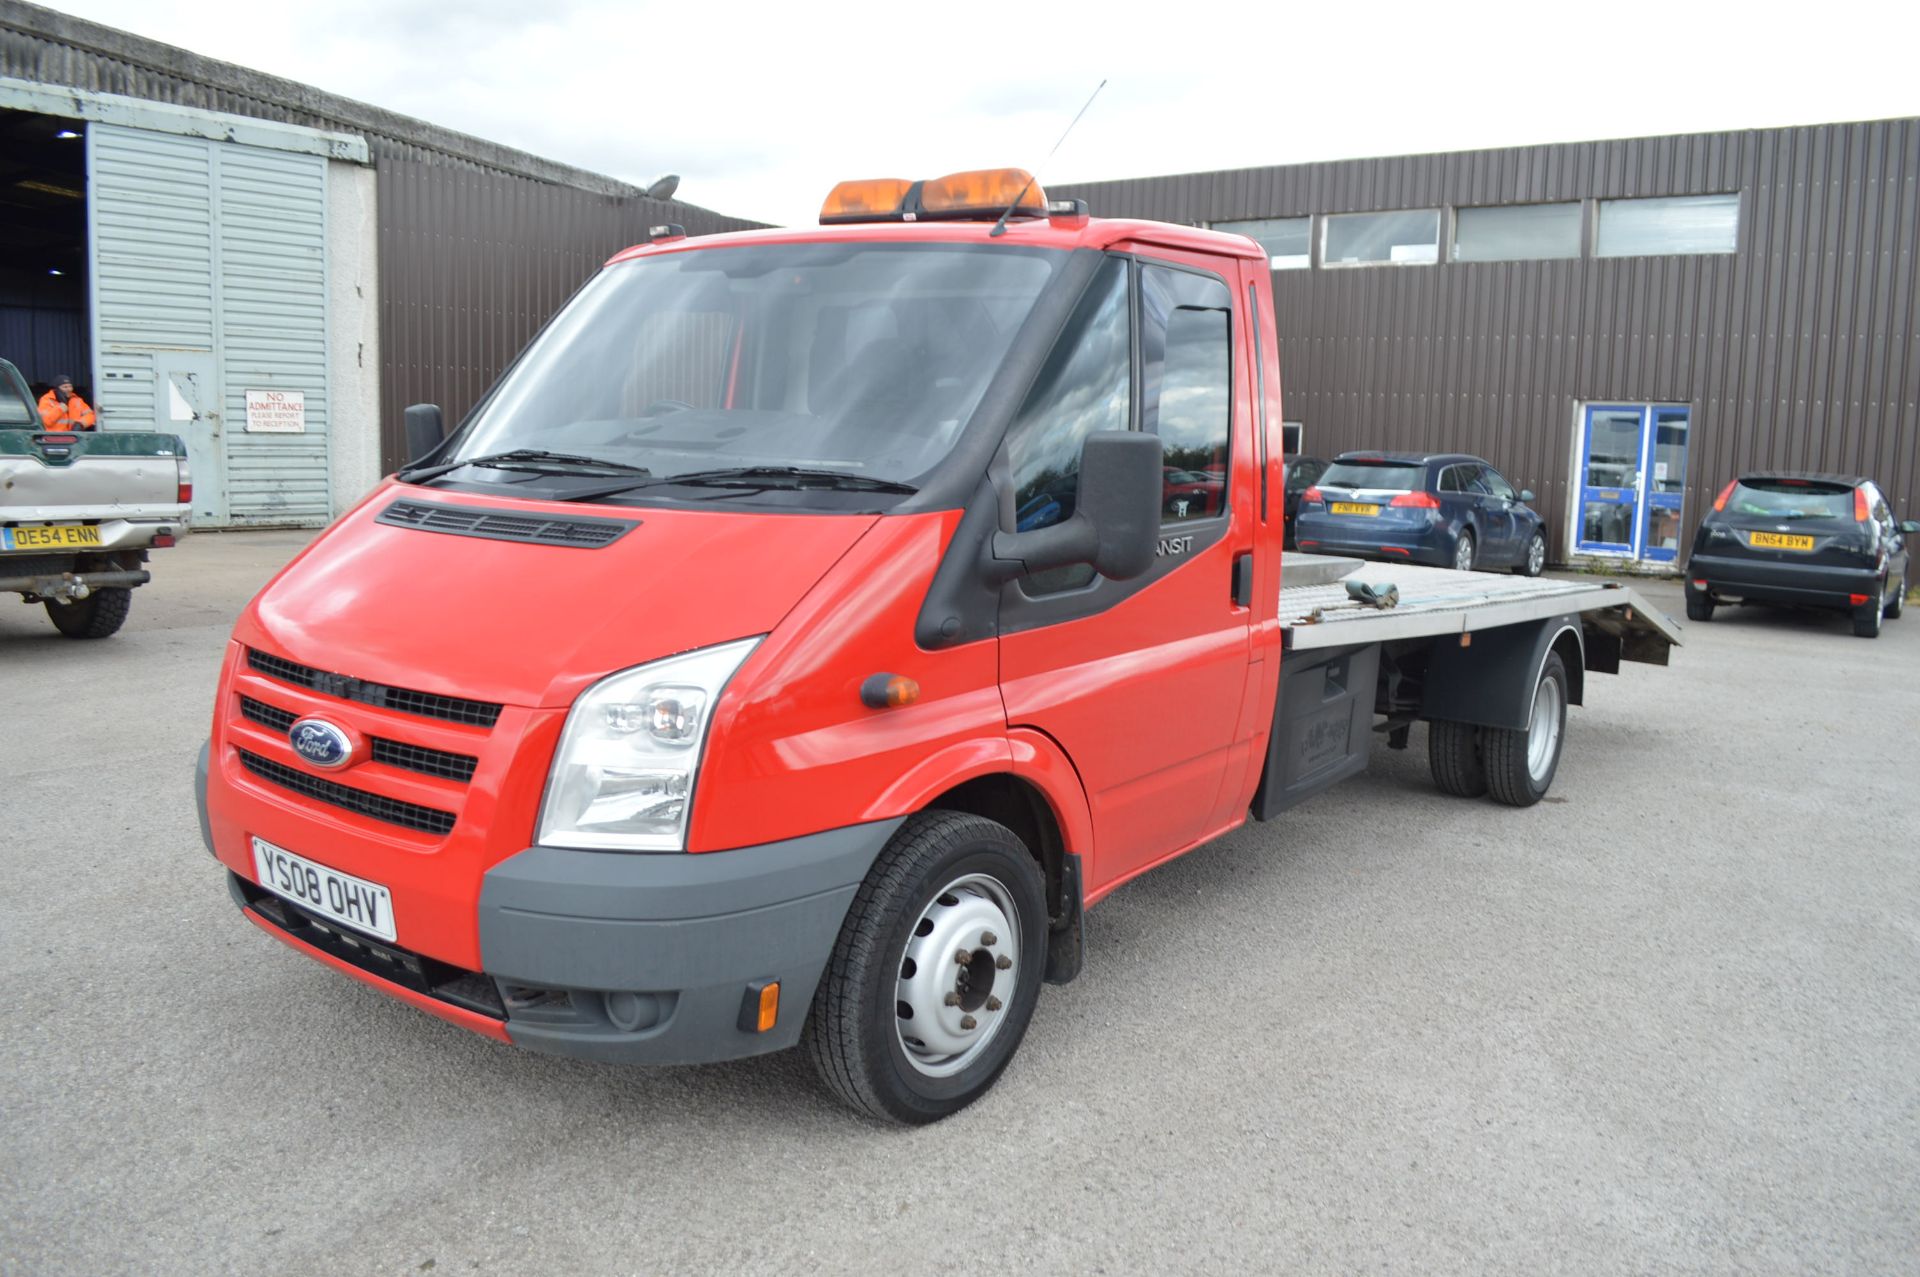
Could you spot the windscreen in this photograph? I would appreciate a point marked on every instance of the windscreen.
(1791, 499)
(1374, 474)
(855, 357)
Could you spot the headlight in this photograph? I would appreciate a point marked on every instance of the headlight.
(623, 774)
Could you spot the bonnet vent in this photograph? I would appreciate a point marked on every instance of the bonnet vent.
(500, 525)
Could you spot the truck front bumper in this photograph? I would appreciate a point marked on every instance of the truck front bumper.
(619, 957)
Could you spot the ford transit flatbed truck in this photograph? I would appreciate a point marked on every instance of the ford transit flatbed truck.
(813, 625)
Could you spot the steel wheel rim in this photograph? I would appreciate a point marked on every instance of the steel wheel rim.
(1543, 734)
(1463, 554)
(960, 967)
(1536, 555)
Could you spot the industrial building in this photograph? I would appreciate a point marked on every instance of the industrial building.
(272, 272)
(1620, 326)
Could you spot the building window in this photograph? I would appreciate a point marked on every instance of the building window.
(1681, 224)
(1517, 233)
(1408, 237)
(1288, 240)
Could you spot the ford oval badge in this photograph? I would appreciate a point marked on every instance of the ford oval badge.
(321, 743)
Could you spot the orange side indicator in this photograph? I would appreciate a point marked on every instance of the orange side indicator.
(888, 691)
(769, 1006)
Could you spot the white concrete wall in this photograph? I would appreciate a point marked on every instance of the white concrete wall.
(353, 333)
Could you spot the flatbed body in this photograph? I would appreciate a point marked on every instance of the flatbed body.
(1318, 612)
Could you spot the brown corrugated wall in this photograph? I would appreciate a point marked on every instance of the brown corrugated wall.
(1797, 351)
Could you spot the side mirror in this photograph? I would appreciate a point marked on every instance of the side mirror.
(424, 432)
(1116, 520)
(1526, 495)
(1909, 527)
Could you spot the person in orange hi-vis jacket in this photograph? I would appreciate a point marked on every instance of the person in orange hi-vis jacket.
(62, 409)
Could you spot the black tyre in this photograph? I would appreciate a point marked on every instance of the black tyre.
(1534, 561)
(1521, 762)
(1896, 601)
(1453, 752)
(1463, 552)
(94, 617)
(934, 978)
(1866, 617)
(1699, 605)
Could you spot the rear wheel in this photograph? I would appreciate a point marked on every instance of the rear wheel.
(1521, 762)
(1897, 601)
(1866, 617)
(1463, 552)
(935, 975)
(1453, 752)
(94, 617)
(1699, 605)
(1534, 562)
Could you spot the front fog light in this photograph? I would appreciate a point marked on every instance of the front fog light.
(623, 774)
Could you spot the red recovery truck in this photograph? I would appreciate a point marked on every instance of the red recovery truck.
(812, 625)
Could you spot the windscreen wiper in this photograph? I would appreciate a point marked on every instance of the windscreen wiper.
(524, 459)
(756, 477)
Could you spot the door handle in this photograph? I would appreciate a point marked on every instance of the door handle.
(1243, 579)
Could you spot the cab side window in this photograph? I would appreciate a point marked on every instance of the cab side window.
(1450, 480)
(1085, 385)
(1188, 378)
(1497, 486)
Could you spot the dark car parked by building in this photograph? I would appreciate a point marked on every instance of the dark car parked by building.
(1802, 540)
(1302, 473)
(1442, 508)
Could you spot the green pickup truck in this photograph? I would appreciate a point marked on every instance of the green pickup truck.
(80, 510)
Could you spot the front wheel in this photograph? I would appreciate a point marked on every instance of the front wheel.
(1521, 762)
(1535, 560)
(936, 973)
(94, 617)
(1463, 553)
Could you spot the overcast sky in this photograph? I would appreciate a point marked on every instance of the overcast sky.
(761, 107)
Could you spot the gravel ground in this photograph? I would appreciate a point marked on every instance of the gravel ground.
(1667, 1020)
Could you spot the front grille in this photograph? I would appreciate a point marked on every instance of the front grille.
(468, 989)
(426, 704)
(418, 758)
(414, 758)
(377, 806)
(266, 715)
(478, 521)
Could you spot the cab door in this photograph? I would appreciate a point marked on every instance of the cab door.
(1141, 682)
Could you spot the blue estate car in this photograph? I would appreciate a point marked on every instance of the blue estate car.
(1442, 508)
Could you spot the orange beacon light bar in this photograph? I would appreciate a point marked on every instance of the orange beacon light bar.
(975, 194)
